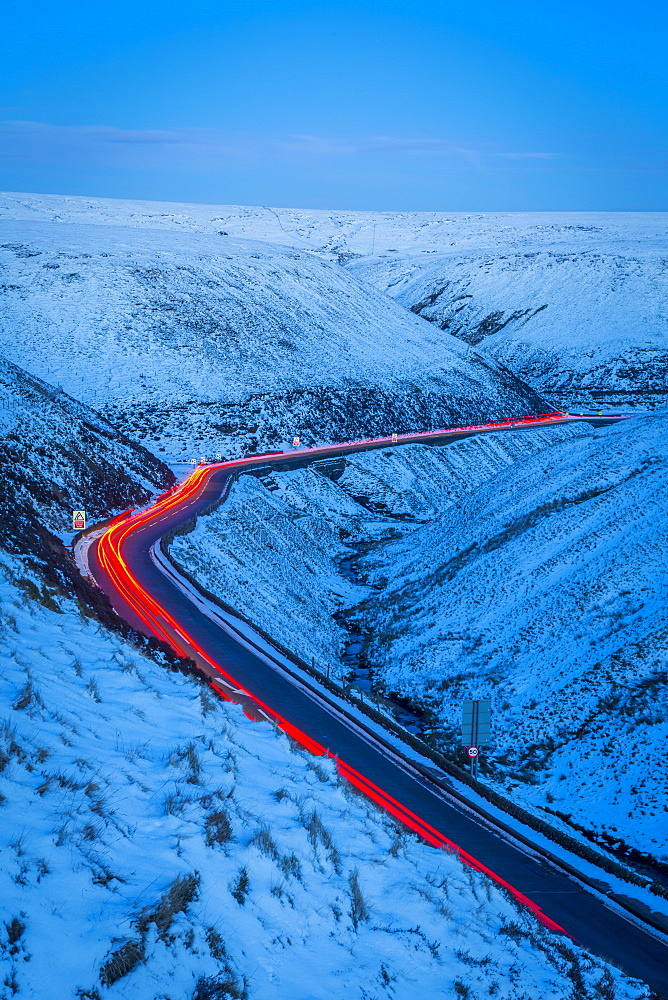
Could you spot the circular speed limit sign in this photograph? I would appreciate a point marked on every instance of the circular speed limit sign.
(473, 751)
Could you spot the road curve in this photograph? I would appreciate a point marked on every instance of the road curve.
(120, 562)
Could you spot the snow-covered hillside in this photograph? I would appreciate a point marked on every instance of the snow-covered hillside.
(155, 843)
(528, 567)
(195, 344)
(546, 588)
(56, 456)
(588, 327)
(575, 303)
(272, 554)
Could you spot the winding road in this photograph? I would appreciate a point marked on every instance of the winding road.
(122, 560)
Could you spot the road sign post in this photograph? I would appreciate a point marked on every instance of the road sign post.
(476, 729)
(78, 520)
(295, 442)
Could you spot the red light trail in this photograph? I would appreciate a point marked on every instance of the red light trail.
(162, 624)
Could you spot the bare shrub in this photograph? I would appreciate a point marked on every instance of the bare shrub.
(206, 702)
(189, 755)
(227, 985)
(15, 929)
(279, 892)
(121, 962)
(93, 690)
(11, 982)
(321, 773)
(193, 763)
(216, 944)
(28, 696)
(318, 833)
(102, 874)
(290, 865)
(19, 845)
(175, 803)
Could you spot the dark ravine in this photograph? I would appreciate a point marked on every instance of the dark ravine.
(323, 413)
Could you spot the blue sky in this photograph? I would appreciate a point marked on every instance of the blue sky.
(391, 106)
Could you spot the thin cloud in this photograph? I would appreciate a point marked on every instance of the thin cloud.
(197, 148)
(529, 156)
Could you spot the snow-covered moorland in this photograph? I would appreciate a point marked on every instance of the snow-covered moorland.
(527, 567)
(573, 302)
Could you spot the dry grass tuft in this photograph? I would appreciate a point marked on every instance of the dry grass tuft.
(121, 962)
(179, 895)
(217, 828)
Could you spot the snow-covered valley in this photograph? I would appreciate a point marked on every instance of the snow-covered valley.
(157, 843)
(587, 326)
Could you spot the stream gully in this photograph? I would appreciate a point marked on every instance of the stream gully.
(357, 670)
